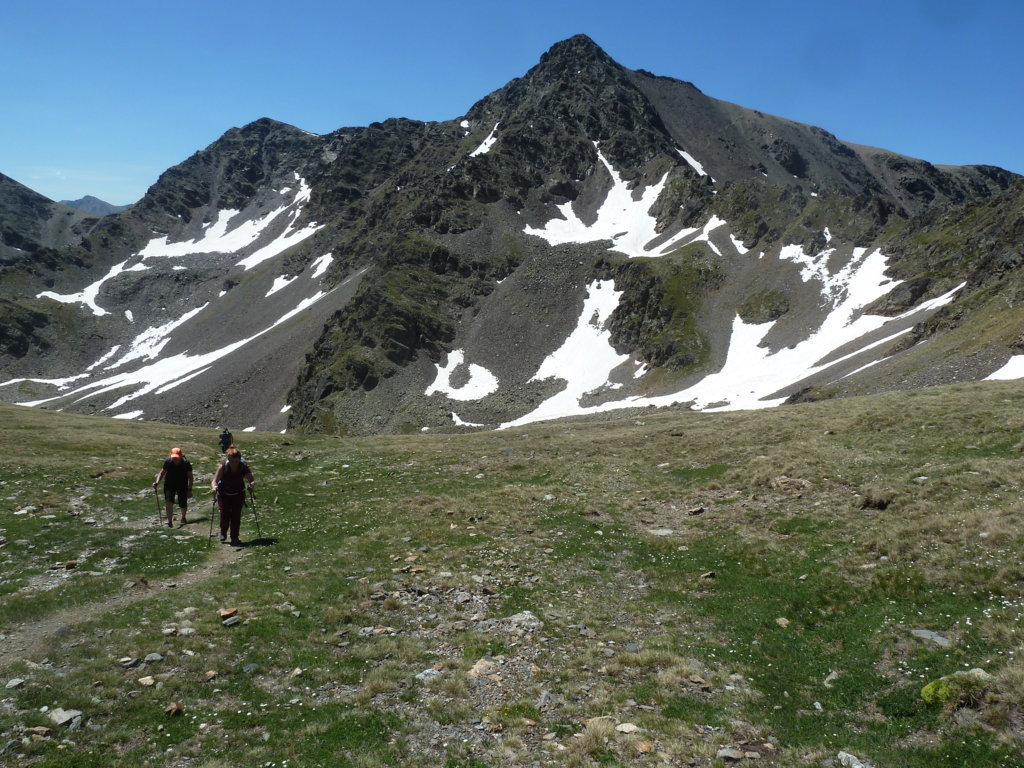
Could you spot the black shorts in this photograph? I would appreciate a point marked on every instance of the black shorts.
(181, 493)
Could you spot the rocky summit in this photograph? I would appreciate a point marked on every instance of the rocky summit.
(586, 238)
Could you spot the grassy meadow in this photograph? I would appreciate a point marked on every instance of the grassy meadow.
(670, 588)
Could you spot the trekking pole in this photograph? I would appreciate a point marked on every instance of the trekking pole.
(212, 511)
(252, 503)
(159, 520)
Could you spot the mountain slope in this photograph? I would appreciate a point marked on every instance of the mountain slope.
(31, 222)
(585, 238)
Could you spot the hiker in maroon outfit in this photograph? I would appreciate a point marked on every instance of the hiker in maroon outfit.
(229, 485)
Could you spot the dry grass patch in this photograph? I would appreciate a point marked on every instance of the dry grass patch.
(597, 735)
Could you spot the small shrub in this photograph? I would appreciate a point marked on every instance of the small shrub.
(874, 497)
(953, 692)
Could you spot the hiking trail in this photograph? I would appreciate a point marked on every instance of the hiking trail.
(35, 637)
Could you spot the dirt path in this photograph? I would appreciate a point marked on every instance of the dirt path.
(35, 637)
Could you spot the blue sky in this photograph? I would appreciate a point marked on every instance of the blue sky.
(100, 97)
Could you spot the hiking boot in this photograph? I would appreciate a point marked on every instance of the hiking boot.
(236, 542)
(223, 538)
(170, 524)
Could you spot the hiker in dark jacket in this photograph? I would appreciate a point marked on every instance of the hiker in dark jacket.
(229, 485)
(225, 439)
(177, 476)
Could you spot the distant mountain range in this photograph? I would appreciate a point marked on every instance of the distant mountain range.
(94, 205)
(586, 238)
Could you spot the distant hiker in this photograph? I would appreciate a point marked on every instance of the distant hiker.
(225, 439)
(177, 476)
(229, 485)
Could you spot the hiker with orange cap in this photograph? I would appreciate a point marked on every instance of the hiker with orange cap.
(177, 476)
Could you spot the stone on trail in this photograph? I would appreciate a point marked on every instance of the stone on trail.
(852, 761)
(524, 620)
(71, 718)
(730, 753)
(932, 637)
(151, 657)
(173, 709)
(14, 682)
(482, 668)
(627, 727)
(789, 484)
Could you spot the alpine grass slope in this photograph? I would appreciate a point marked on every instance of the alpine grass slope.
(827, 584)
(586, 238)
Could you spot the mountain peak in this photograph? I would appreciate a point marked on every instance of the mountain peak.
(577, 51)
(94, 205)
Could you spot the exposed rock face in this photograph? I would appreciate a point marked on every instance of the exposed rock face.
(410, 275)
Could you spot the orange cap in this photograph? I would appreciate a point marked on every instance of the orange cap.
(175, 453)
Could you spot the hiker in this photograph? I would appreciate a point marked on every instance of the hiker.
(229, 485)
(225, 439)
(177, 476)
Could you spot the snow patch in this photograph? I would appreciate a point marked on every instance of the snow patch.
(220, 237)
(481, 381)
(485, 147)
(693, 163)
(319, 267)
(1014, 369)
(59, 383)
(148, 344)
(585, 359)
(88, 294)
(160, 375)
(751, 372)
(625, 221)
(216, 238)
(104, 358)
(128, 415)
(279, 283)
